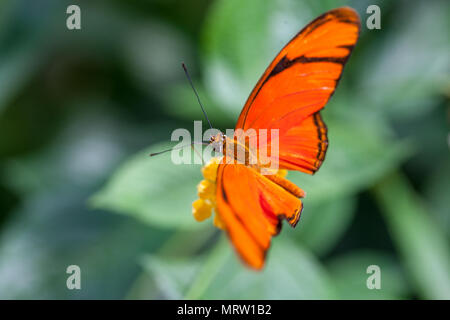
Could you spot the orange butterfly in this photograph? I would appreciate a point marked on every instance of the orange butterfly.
(295, 87)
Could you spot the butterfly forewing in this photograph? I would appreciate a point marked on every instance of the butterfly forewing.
(298, 84)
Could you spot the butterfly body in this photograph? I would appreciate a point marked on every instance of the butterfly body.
(238, 151)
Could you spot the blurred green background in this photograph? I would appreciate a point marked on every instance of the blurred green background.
(80, 111)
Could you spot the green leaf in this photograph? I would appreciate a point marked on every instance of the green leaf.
(15, 70)
(436, 193)
(394, 80)
(182, 103)
(421, 242)
(53, 230)
(154, 190)
(228, 42)
(152, 52)
(349, 273)
(172, 276)
(322, 224)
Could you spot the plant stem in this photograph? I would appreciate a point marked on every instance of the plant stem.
(215, 261)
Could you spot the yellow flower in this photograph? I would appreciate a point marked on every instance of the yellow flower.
(206, 189)
(282, 173)
(202, 208)
(218, 223)
(209, 170)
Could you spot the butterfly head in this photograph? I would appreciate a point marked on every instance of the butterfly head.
(218, 141)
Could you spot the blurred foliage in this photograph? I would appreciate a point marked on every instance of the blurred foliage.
(81, 110)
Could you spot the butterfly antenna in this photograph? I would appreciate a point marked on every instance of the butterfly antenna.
(196, 94)
(198, 154)
(181, 147)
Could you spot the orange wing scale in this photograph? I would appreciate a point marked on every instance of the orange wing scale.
(288, 97)
(307, 144)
